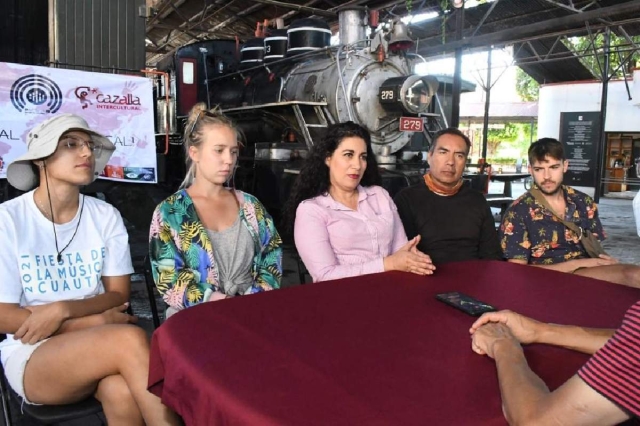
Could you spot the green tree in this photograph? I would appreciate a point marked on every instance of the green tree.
(582, 47)
(527, 88)
(495, 137)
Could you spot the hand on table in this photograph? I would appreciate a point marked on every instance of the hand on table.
(590, 262)
(410, 259)
(487, 338)
(522, 328)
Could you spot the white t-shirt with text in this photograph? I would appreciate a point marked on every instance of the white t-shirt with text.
(31, 274)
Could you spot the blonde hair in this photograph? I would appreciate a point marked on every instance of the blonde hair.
(198, 118)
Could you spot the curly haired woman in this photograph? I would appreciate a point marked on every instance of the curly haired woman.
(346, 225)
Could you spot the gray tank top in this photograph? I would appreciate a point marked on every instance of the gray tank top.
(233, 251)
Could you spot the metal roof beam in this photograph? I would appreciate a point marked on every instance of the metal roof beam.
(299, 8)
(233, 19)
(534, 30)
(626, 36)
(484, 18)
(164, 10)
(564, 6)
(563, 56)
(555, 43)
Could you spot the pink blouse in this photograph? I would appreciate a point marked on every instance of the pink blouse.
(336, 242)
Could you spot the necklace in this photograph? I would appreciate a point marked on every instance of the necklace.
(55, 235)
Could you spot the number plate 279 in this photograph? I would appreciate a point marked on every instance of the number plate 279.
(411, 124)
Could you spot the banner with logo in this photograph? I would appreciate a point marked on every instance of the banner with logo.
(118, 106)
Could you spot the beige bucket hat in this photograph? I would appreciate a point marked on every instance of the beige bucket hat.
(42, 141)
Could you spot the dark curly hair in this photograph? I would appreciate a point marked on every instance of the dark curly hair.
(313, 179)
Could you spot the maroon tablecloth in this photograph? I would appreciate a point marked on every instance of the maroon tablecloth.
(371, 350)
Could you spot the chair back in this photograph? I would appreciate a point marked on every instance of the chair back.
(150, 284)
(4, 393)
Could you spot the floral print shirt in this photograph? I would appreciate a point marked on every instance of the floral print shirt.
(181, 253)
(531, 232)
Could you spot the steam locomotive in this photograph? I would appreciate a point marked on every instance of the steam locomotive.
(284, 89)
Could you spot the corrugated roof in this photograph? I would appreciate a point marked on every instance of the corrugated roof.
(568, 69)
(179, 22)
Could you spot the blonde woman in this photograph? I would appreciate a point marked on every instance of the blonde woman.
(208, 241)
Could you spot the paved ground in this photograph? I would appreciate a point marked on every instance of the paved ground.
(616, 215)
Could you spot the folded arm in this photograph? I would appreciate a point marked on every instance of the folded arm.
(34, 323)
(91, 312)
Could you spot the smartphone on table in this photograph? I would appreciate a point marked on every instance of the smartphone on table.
(465, 303)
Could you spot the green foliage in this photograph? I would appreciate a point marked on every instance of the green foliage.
(497, 136)
(514, 136)
(502, 161)
(582, 46)
(527, 88)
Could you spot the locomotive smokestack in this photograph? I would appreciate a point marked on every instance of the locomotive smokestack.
(351, 24)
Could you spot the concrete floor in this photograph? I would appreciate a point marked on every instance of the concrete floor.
(616, 215)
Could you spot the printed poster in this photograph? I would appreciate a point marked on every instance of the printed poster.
(118, 106)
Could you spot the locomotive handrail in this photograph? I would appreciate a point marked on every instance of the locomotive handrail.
(275, 104)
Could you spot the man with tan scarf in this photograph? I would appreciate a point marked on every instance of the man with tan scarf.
(454, 222)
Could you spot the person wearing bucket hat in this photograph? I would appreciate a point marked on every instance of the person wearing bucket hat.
(43, 141)
(66, 281)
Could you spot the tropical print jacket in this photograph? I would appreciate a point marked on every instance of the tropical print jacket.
(181, 252)
(531, 232)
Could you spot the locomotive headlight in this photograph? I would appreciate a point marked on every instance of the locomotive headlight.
(411, 94)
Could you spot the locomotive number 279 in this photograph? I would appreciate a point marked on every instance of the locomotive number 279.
(411, 124)
(386, 95)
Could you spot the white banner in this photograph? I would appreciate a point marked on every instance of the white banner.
(118, 106)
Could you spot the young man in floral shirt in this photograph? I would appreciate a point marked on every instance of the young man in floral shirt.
(532, 234)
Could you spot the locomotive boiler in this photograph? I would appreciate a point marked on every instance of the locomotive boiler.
(284, 89)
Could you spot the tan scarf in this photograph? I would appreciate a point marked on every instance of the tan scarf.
(439, 189)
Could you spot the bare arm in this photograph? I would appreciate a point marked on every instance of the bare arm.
(116, 293)
(64, 316)
(11, 317)
(527, 400)
(84, 315)
(572, 265)
(581, 339)
(527, 330)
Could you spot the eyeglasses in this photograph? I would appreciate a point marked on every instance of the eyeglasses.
(74, 143)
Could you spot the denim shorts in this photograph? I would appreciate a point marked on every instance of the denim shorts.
(15, 366)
